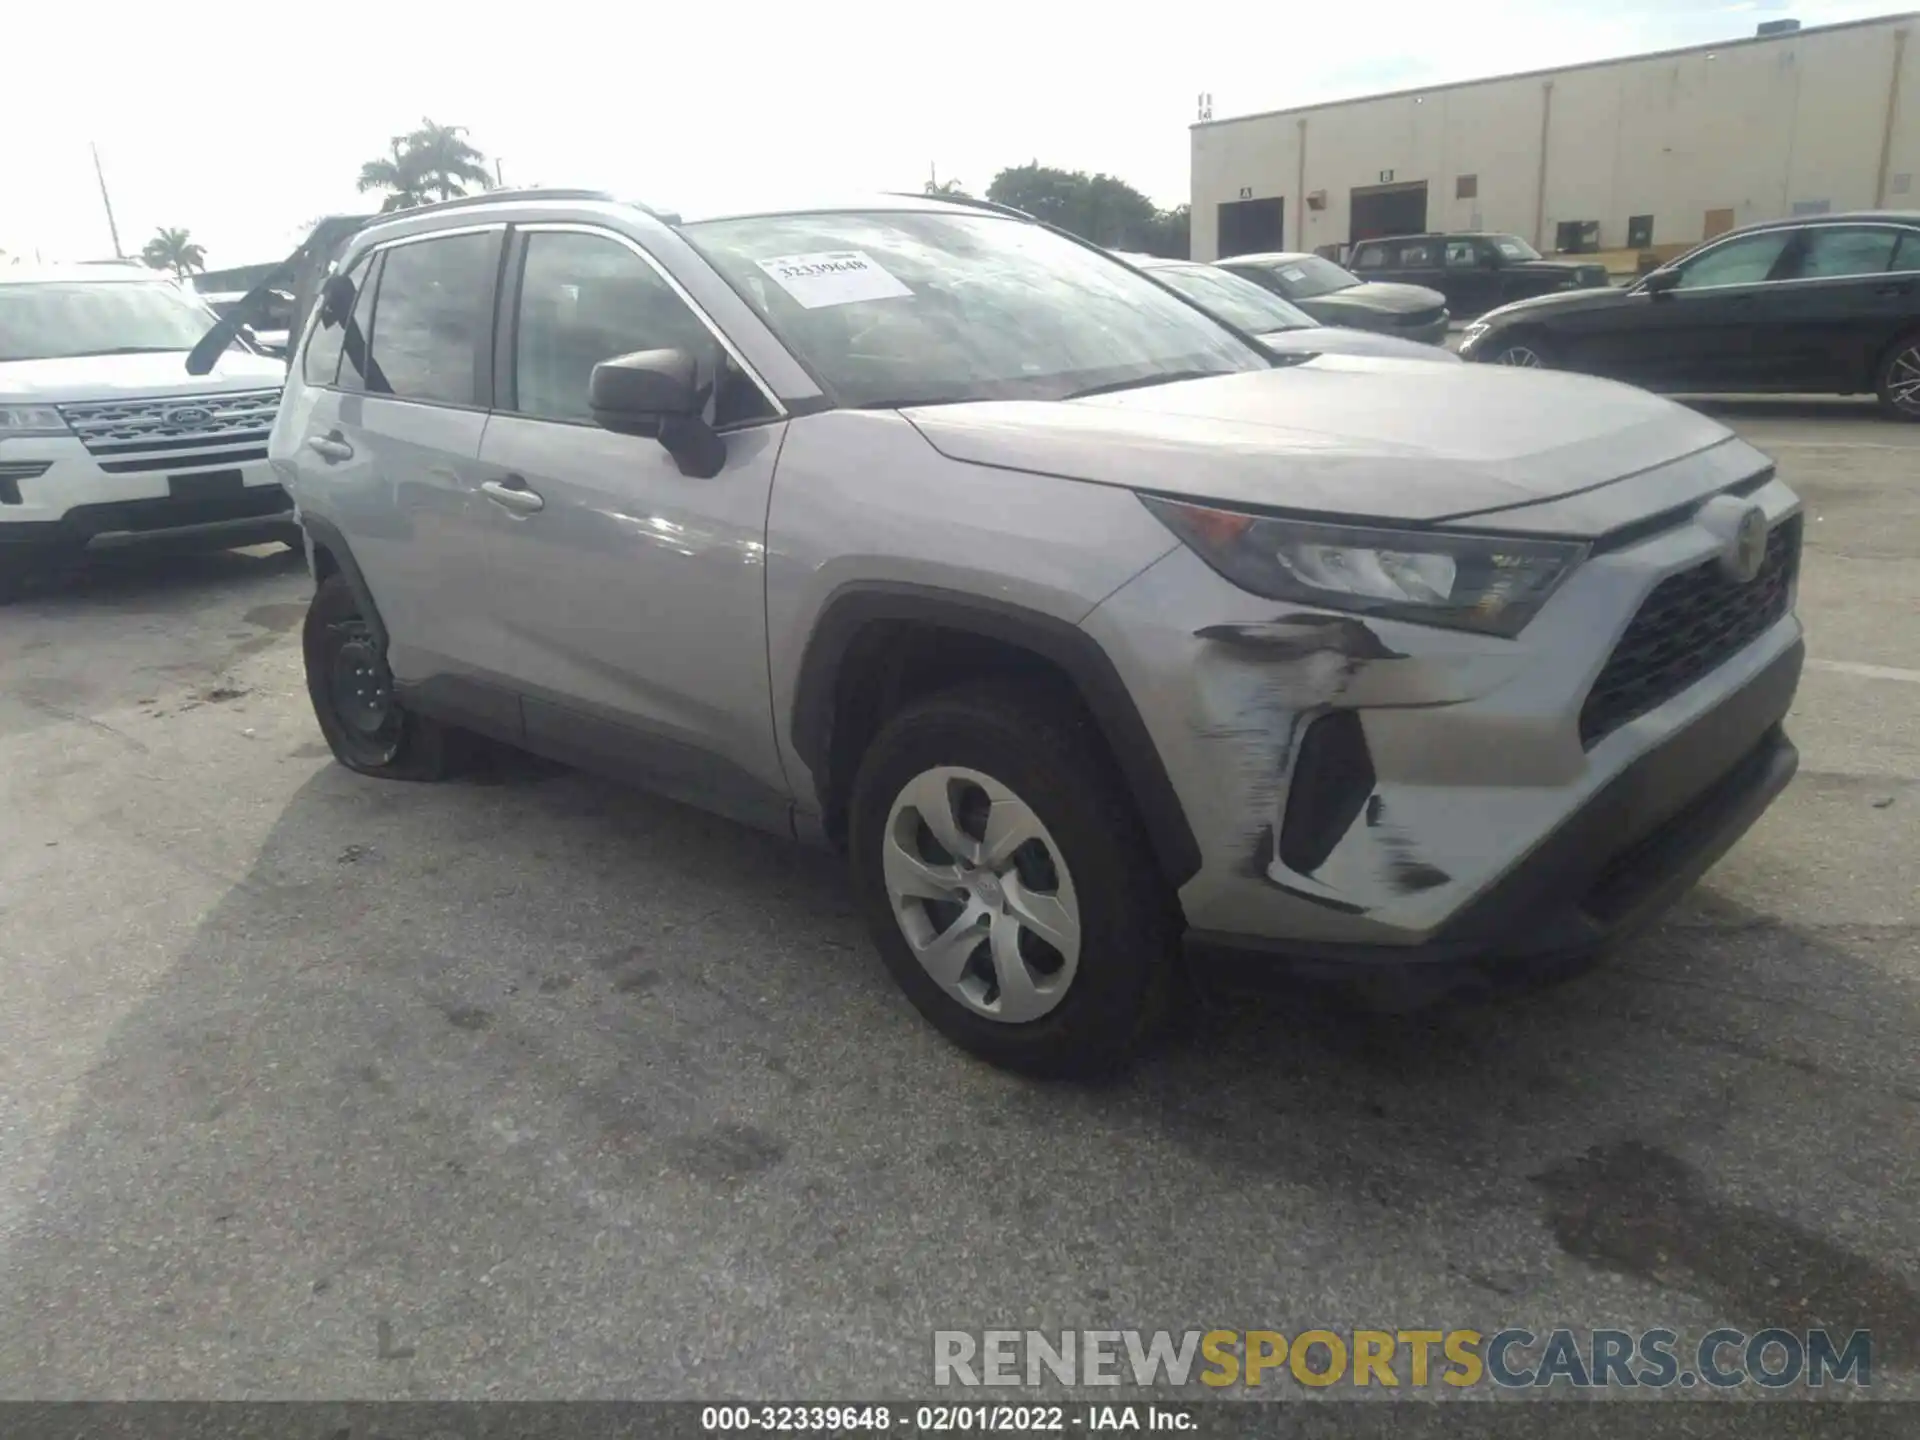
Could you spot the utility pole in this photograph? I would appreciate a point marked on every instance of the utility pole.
(499, 176)
(112, 228)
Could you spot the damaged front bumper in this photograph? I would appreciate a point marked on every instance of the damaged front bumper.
(1469, 821)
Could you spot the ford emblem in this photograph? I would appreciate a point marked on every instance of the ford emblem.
(187, 416)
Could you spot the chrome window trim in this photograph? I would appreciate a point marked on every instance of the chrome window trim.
(1704, 250)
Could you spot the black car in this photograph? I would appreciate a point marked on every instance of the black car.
(1476, 271)
(1824, 304)
(1338, 297)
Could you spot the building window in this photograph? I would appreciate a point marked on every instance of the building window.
(1639, 232)
(1577, 237)
(1466, 187)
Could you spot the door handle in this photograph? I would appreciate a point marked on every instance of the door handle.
(330, 447)
(1898, 287)
(513, 494)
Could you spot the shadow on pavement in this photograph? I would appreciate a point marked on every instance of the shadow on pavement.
(540, 1088)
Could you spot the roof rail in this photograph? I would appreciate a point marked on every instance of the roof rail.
(489, 197)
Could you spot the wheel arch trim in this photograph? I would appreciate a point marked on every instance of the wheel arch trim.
(324, 534)
(854, 607)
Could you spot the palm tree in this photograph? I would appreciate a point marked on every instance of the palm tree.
(434, 162)
(944, 187)
(174, 250)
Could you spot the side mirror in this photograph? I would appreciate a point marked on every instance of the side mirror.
(657, 393)
(1660, 282)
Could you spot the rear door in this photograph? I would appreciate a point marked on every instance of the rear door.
(1849, 293)
(1419, 262)
(633, 596)
(395, 447)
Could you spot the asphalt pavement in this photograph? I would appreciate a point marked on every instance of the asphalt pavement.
(526, 1086)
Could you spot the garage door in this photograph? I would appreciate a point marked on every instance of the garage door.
(1388, 210)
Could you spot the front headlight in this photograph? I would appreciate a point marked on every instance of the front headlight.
(19, 421)
(1489, 583)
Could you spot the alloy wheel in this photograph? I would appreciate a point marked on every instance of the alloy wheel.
(1903, 380)
(1523, 356)
(982, 894)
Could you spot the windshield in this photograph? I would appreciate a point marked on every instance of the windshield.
(1236, 300)
(916, 307)
(1306, 276)
(61, 319)
(1514, 248)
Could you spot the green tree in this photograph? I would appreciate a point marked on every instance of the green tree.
(434, 162)
(1101, 208)
(174, 250)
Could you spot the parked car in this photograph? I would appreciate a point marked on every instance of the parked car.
(1081, 626)
(1825, 304)
(1279, 325)
(1334, 296)
(106, 440)
(1476, 272)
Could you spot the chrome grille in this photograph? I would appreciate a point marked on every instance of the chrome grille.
(175, 431)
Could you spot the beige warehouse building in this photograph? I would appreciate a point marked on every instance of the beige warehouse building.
(1651, 151)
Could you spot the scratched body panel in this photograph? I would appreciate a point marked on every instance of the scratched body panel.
(1474, 739)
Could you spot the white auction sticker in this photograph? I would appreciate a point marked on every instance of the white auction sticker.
(833, 277)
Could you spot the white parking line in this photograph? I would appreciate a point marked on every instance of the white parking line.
(1829, 444)
(1866, 672)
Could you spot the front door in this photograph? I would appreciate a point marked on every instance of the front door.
(1705, 334)
(634, 596)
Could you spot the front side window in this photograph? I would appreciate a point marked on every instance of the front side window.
(1907, 257)
(1837, 250)
(1745, 261)
(433, 318)
(1512, 247)
(587, 298)
(1370, 257)
(919, 307)
(60, 320)
(1462, 255)
(1236, 300)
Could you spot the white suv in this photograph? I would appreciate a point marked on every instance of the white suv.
(106, 440)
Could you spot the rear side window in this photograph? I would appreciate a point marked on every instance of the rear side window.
(433, 319)
(587, 298)
(1907, 257)
(1370, 257)
(321, 363)
(1843, 250)
(1419, 255)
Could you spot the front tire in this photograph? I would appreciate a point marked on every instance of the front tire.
(1525, 353)
(1898, 380)
(1008, 882)
(351, 688)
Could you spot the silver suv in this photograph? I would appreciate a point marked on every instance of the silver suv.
(1089, 632)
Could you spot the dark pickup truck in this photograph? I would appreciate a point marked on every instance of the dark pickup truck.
(1476, 272)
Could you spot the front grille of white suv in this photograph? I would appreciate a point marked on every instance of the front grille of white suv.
(177, 432)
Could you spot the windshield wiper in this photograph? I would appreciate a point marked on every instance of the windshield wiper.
(1141, 381)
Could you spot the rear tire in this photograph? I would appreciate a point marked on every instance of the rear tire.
(1898, 380)
(367, 729)
(1074, 965)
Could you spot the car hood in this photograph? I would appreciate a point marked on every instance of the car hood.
(1380, 296)
(1561, 302)
(114, 377)
(1344, 435)
(1338, 340)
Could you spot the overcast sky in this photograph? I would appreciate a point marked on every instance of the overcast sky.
(244, 121)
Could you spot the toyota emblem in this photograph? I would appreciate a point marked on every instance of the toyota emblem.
(1746, 549)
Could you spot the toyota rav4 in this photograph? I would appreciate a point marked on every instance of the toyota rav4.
(1092, 634)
